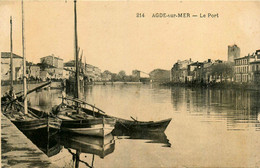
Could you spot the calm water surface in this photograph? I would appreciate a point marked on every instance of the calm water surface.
(209, 128)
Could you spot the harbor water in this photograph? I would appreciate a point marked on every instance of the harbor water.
(209, 128)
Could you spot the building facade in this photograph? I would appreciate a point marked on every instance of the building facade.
(34, 71)
(55, 70)
(53, 61)
(5, 66)
(179, 71)
(254, 68)
(195, 72)
(242, 71)
(92, 73)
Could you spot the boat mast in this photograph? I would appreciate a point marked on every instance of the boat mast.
(24, 66)
(11, 56)
(77, 87)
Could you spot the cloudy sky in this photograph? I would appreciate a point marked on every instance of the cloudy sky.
(113, 38)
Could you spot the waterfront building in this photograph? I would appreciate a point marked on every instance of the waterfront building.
(242, 71)
(49, 72)
(93, 73)
(160, 75)
(5, 66)
(44, 75)
(69, 69)
(233, 53)
(179, 71)
(33, 71)
(195, 70)
(254, 68)
(53, 61)
(207, 71)
(54, 68)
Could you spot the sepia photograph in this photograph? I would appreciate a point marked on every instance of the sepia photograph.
(130, 84)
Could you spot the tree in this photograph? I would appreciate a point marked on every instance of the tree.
(122, 75)
(222, 70)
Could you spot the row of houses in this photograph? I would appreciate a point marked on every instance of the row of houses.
(247, 68)
(50, 67)
(89, 72)
(237, 69)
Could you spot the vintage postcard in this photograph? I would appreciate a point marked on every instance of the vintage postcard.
(130, 84)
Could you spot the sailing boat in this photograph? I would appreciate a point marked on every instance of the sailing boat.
(73, 119)
(25, 119)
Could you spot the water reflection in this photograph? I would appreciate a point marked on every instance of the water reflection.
(151, 137)
(79, 144)
(45, 99)
(89, 144)
(47, 142)
(239, 107)
(201, 118)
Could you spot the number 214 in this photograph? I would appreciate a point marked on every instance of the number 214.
(139, 14)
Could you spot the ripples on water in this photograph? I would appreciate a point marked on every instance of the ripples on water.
(210, 128)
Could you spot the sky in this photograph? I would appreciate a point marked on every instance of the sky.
(113, 38)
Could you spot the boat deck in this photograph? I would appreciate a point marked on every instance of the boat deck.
(71, 114)
(18, 151)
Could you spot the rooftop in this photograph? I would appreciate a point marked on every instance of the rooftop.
(245, 57)
(53, 57)
(8, 55)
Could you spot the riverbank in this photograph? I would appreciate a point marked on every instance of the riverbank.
(17, 150)
(223, 85)
(19, 86)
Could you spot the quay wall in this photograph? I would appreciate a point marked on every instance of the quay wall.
(17, 150)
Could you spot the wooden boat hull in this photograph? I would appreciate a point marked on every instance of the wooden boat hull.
(35, 124)
(149, 126)
(37, 120)
(94, 127)
(52, 122)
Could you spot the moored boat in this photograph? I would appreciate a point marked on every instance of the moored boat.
(145, 126)
(129, 125)
(81, 123)
(33, 120)
(18, 112)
